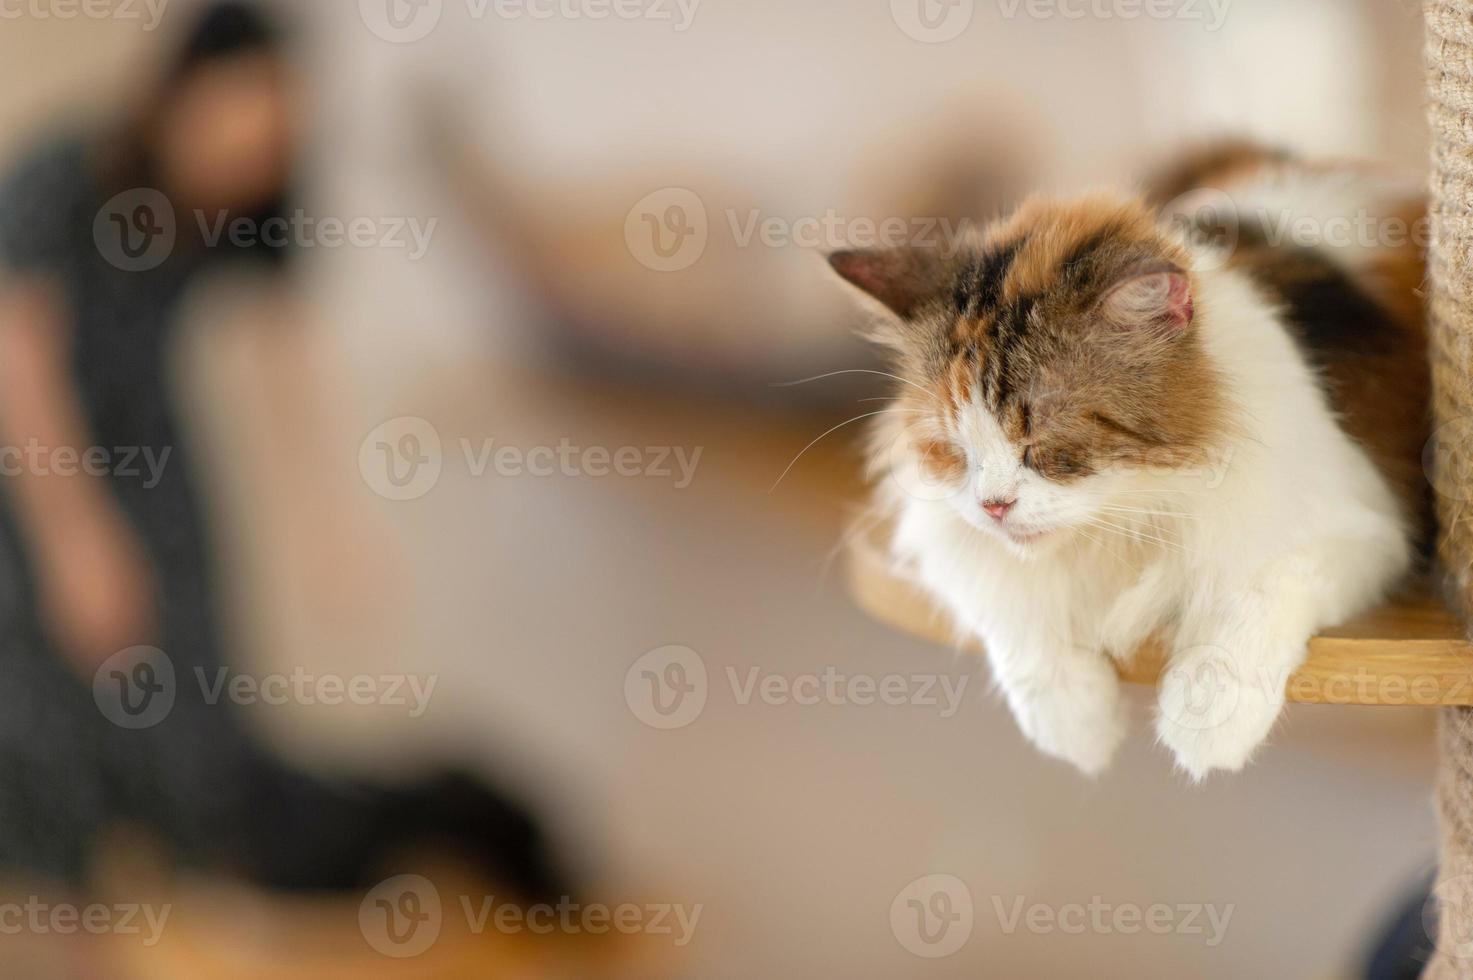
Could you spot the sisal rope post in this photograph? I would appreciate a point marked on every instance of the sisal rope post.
(1449, 66)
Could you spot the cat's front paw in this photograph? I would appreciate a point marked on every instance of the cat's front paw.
(1083, 725)
(1210, 716)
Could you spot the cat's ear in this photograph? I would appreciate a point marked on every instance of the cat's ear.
(902, 278)
(1158, 296)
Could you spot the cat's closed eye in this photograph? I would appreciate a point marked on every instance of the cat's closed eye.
(1057, 462)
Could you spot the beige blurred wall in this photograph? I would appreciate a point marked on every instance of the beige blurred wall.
(50, 68)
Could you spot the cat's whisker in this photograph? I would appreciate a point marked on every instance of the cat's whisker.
(1101, 544)
(1144, 540)
(1105, 549)
(828, 432)
(1148, 513)
(1137, 528)
(1138, 533)
(1153, 518)
(1171, 546)
(1132, 519)
(835, 374)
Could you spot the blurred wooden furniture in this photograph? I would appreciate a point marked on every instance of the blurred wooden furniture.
(217, 932)
(1411, 652)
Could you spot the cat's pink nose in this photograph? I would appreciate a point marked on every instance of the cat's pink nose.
(998, 509)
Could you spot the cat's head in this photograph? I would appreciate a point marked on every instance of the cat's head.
(1053, 365)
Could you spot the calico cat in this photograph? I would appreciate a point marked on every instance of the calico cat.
(1197, 412)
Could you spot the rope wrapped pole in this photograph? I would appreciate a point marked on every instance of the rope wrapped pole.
(1449, 65)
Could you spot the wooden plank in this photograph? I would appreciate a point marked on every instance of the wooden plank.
(1410, 652)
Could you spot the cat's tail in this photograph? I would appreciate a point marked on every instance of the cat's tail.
(1215, 163)
(320, 836)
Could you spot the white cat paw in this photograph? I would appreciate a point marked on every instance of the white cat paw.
(1209, 717)
(1082, 726)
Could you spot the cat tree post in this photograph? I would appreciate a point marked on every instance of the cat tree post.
(1449, 62)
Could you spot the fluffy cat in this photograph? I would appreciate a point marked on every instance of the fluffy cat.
(1119, 417)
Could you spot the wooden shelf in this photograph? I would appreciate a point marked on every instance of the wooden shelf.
(1411, 652)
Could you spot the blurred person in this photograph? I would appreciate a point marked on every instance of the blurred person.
(118, 556)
